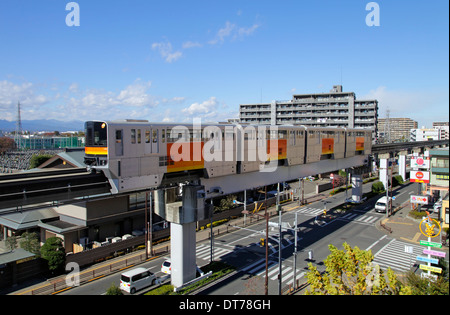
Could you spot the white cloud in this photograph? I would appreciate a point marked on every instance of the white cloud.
(136, 95)
(234, 32)
(25, 93)
(247, 31)
(189, 44)
(206, 107)
(165, 50)
(73, 103)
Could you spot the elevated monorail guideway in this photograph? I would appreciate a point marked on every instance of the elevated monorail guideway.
(31, 188)
(217, 159)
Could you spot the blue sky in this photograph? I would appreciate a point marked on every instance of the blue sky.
(176, 60)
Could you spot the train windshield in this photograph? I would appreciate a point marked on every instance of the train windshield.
(96, 134)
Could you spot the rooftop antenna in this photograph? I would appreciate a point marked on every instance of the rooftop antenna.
(18, 135)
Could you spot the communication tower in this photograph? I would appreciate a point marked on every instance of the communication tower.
(18, 135)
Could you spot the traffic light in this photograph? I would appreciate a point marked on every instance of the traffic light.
(261, 241)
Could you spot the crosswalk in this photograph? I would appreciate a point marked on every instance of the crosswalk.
(203, 251)
(361, 218)
(258, 268)
(308, 211)
(393, 255)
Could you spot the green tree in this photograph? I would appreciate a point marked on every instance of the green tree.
(351, 272)
(424, 286)
(226, 203)
(37, 160)
(11, 242)
(30, 243)
(53, 251)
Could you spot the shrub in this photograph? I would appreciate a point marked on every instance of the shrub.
(114, 290)
(378, 188)
(397, 180)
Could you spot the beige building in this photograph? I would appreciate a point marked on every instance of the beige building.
(395, 130)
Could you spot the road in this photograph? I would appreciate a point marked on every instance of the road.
(242, 249)
(357, 228)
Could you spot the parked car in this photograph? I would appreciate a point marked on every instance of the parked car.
(166, 268)
(437, 206)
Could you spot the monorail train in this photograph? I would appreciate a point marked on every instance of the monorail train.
(137, 154)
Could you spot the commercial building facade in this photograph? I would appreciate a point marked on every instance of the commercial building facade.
(439, 180)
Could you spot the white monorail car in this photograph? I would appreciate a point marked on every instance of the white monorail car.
(137, 154)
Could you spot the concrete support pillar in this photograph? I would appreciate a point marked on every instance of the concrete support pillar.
(402, 165)
(183, 216)
(182, 253)
(357, 185)
(383, 171)
(160, 203)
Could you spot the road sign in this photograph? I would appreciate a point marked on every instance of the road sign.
(426, 259)
(430, 268)
(434, 253)
(432, 227)
(432, 244)
(419, 177)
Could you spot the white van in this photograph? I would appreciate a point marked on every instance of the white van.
(136, 279)
(381, 205)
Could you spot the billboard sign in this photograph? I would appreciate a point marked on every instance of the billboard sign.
(420, 162)
(423, 200)
(419, 177)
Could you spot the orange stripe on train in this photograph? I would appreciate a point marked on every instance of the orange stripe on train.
(96, 150)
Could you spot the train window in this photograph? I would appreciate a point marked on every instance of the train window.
(139, 135)
(133, 136)
(147, 136)
(155, 136)
(118, 136)
(163, 136)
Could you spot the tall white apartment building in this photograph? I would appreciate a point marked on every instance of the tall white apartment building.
(333, 109)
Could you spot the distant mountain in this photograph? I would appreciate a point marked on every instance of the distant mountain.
(43, 125)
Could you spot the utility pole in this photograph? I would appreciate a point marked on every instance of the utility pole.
(279, 239)
(266, 281)
(150, 235)
(146, 226)
(212, 232)
(295, 251)
(18, 135)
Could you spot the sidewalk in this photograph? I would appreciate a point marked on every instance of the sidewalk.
(403, 227)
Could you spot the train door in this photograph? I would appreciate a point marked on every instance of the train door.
(119, 142)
